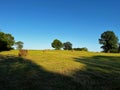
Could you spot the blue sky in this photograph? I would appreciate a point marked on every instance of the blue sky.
(38, 22)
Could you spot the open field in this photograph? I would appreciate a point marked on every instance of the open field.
(59, 70)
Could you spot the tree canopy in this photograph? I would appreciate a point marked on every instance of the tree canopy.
(109, 41)
(119, 48)
(19, 45)
(6, 41)
(67, 46)
(57, 44)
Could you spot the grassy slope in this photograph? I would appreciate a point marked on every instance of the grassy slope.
(59, 70)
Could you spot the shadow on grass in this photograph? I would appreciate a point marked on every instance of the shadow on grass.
(22, 74)
(101, 73)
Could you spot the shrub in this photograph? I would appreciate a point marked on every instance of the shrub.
(80, 49)
(23, 53)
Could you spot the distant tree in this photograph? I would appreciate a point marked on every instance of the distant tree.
(57, 44)
(19, 45)
(84, 49)
(109, 41)
(6, 41)
(80, 49)
(67, 46)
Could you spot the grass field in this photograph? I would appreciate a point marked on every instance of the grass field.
(59, 70)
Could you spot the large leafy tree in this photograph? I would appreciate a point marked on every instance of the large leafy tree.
(57, 44)
(6, 41)
(19, 45)
(109, 41)
(67, 46)
(119, 48)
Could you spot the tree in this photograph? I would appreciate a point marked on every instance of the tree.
(57, 44)
(6, 41)
(119, 48)
(67, 46)
(109, 41)
(19, 45)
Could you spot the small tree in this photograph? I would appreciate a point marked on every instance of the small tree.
(67, 46)
(57, 44)
(19, 45)
(109, 41)
(6, 41)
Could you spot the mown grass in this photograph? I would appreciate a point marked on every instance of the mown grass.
(59, 70)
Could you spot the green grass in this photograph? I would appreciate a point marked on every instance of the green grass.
(59, 70)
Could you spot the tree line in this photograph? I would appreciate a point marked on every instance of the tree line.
(108, 40)
(58, 45)
(7, 42)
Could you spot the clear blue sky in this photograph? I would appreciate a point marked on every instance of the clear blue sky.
(38, 22)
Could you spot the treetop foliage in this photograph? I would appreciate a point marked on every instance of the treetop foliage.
(109, 41)
(6, 41)
(19, 45)
(57, 44)
(67, 46)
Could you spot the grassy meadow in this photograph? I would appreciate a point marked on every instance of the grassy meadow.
(59, 70)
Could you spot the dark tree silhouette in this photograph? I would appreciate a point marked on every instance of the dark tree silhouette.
(6, 41)
(57, 44)
(119, 48)
(67, 46)
(109, 41)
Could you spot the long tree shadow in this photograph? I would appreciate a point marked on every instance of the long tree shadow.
(101, 73)
(22, 74)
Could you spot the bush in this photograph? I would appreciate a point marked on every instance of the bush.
(80, 49)
(23, 53)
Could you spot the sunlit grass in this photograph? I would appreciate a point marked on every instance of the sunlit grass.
(56, 61)
(85, 70)
(62, 62)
